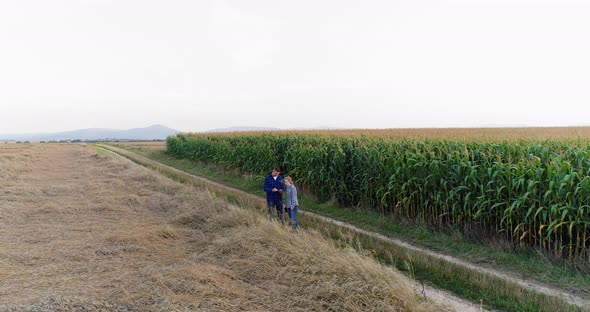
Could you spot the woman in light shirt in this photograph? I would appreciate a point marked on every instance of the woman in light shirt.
(292, 202)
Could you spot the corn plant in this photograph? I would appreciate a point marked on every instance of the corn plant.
(534, 193)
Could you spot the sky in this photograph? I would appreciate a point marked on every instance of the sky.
(195, 65)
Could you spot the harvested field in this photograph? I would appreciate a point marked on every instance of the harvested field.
(84, 230)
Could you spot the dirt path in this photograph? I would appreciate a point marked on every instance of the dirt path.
(435, 295)
(527, 284)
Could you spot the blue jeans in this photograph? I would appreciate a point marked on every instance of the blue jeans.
(278, 204)
(288, 211)
(293, 216)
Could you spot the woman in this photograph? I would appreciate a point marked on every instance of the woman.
(292, 202)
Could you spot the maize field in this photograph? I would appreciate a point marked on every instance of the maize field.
(533, 193)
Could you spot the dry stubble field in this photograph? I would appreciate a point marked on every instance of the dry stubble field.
(85, 230)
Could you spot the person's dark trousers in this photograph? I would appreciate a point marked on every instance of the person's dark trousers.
(278, 205)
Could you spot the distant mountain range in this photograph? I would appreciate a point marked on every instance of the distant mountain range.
(155, 132)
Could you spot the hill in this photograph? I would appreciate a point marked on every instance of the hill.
(155, 132)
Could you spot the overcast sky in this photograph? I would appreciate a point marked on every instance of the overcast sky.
(200, 64)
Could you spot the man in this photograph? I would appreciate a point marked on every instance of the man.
(274, 187)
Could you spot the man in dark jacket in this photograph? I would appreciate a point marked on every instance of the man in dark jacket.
(274, 188)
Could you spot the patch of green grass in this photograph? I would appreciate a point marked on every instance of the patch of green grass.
(527, 263)
(99, 150)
